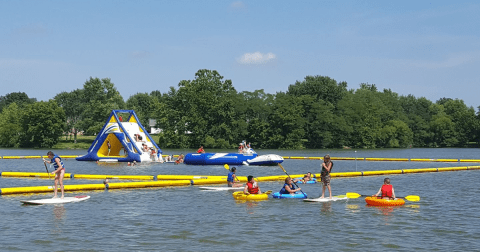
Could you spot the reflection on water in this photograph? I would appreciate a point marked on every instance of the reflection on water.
(326, 207)
(250, 205)
(59, 212)
(59, 217)
(385, 210)
(352, 207)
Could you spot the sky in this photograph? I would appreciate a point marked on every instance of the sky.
(428, 49)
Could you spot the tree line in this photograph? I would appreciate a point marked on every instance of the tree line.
(317, 112)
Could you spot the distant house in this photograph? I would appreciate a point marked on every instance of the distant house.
(152, 123)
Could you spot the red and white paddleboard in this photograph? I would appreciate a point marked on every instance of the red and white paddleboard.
(56, 200)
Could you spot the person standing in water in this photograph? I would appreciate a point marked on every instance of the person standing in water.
(327, 166)
(59, 171)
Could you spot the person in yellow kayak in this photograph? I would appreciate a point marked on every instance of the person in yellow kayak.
(386, 190)
(288, 187)
(251, 187)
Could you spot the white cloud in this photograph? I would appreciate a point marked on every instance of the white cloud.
(256, 58)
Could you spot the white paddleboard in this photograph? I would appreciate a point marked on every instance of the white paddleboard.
(56, 200)
(326, 199)
(221, 188)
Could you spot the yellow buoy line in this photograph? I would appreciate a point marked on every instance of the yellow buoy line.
(313, 158)
(392, 159)
(185, 180)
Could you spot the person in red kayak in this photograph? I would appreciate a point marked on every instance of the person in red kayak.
(201, 150)
(251, 187)
(386, 190)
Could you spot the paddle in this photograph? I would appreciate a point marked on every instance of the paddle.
(353, 195)
(45, 163)
(291, 179)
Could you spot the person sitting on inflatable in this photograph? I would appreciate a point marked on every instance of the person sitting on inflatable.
(179, 159)
(240, 148)
(251, 187)
(307, 177)
(386, 190)
(232, 179)
(288, 187)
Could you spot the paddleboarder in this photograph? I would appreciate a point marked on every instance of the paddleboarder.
(386, 190)
(232, 178)
(327, 166)
(59, 171)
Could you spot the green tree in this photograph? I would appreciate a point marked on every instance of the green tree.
(254, 109)
(10, 125)
(442, 128)
(42, 124)
(100, 97)
(144, 106)
(287, 123)
(73, 105)
(464, 119)
(320, 96)
(20, 98)
(321, 87)
(201, 108)
(418, 118)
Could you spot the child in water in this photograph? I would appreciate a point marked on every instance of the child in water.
(386, 190)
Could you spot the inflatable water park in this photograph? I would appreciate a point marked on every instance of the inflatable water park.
(247, 157)
(123, 141)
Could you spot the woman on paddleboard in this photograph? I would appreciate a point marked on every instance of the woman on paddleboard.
(327, 166)
(386, 190)
(288, 187)
(251, 187)
(59, 171)
(232, 178)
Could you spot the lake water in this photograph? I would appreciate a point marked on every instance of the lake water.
(188, 219)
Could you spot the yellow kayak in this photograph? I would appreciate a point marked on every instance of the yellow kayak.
(242, 196)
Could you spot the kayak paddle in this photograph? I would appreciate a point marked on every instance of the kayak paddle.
(353, 195)
(291, 179)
